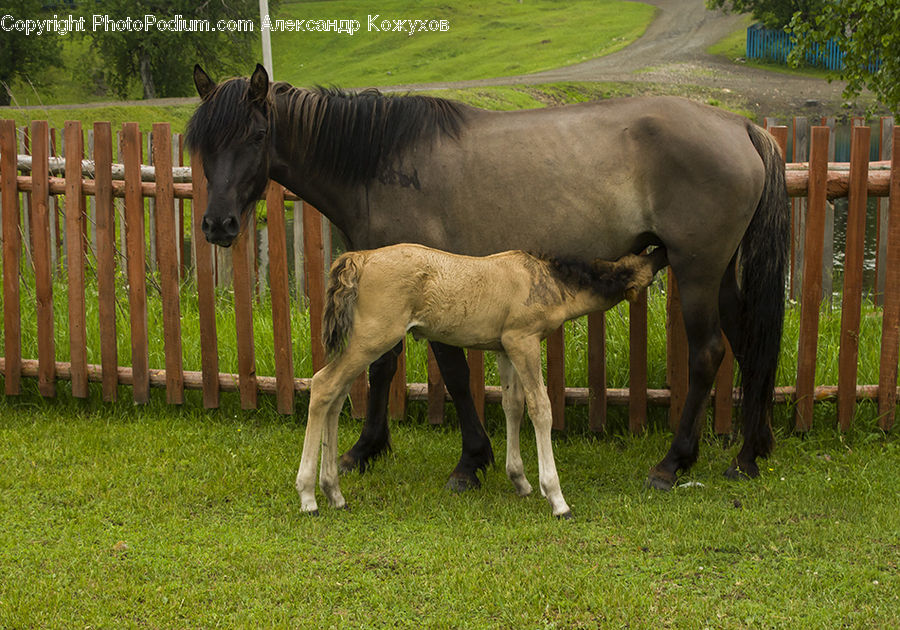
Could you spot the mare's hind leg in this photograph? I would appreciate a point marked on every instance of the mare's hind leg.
(476, 445)
(699, 302)
(513, 409)
(525, 355)
(375, 437)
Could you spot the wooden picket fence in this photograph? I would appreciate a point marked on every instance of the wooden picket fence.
(812, 183)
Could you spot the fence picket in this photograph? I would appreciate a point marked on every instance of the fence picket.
(397, 393)
(281, 299)
(12, 254)
(853, 275)
(597, 371)
(167, 262)
(314, 256)
(812, 279)
(206, 304)
(637, 358)
(556, 377)
(890, 335)
(886, 126)
(437, 392)
(243, 313)
(136, 260)
(74, 151)
(105, 233)
(41, 248)
(676, 351)
(475, 359)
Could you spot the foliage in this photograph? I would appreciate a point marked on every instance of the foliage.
(24, 55)
(164, 59)
(866, 30)
(773, 13)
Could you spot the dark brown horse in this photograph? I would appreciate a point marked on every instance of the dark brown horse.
(595, 180)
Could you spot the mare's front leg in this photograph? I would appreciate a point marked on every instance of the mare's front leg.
(525, 355)
(375, 437)
(476, 445)
(513, 409)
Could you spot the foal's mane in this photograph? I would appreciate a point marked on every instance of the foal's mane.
(579, 275)
(348, 135)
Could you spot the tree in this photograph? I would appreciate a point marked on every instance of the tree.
(161, 52)
(775, 14)
(868, 32)
(21, 53)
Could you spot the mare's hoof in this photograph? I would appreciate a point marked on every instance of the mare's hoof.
(565, 516)
(740, 473)
(459, 482)
(348, 463)
(660, 480)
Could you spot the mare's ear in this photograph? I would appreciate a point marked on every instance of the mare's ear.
(259, 86)
(204, 84)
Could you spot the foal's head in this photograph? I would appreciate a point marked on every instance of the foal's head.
(230, 132)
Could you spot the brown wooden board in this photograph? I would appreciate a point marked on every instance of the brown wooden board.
(724, 399)
(597, 371)
(281, 299)
(243, 312)
(12, 254)
(397, 392)
(437, 392)
(676, 351)
(637, 360)
(556, 377)
(359, 396)
(848, 354)
(41, 245)
(106, 259)
(475, 359)
(314, 256)
(206, 300)
(890, 334)
(811, 290)
(75, 259)
(167, 262)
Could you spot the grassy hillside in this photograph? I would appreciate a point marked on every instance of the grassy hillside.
(484, 40)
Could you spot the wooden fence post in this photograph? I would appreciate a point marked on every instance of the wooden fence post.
(798, 212)
(597, 371)
(397, 393)
(74, 151)
(105, 233)
(676, 351)
(890, 334)
(41, 247)
(315, 281)
(242, 264)
(886, 127)
(12, 255)
(436, 390)
(637, 357)
(166, 245)
(556, 377)
(281, 299)
(812, 279)
(137, 280)
(853, 275)
(206, 304)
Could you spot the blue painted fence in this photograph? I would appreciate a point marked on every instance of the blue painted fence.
(774, 45)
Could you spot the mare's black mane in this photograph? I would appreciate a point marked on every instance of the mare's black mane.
(347, 135)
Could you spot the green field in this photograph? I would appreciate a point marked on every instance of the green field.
(484, 40)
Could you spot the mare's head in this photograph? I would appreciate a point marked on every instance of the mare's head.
(230, 132)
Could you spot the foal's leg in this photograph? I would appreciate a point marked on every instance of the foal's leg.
(476, 445)
(525, 355)
(375, 437)
(699, 302)
(329, 389)
(513, 409)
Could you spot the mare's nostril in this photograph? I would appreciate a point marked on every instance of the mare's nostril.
(231, 225)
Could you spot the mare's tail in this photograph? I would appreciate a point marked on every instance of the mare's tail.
(763, 263)
(340, 302)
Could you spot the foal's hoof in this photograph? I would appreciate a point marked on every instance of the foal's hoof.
(565, 516)
(740, 472)
(461, 482)
(312, 513)
(660, 480)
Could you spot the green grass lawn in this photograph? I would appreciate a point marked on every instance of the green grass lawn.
(117, 516)
(484, 40)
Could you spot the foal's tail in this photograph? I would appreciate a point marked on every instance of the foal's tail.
(340, 302)
(764, 259)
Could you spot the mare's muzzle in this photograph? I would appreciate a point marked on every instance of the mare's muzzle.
(221, 230)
